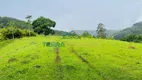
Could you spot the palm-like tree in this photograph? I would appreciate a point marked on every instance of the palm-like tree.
(28, 17)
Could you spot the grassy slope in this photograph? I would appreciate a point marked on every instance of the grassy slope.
(80, 59)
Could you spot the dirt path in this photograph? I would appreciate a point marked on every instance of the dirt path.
(59, 69)
(58, 59)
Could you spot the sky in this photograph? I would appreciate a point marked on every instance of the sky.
(77, 14)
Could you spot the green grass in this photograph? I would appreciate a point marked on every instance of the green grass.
(80, 59)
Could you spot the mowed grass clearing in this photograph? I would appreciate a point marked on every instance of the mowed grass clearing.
(80, 59)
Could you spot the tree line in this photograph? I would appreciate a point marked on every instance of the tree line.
(11, 28)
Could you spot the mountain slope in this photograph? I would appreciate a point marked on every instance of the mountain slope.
(4, 21)
(135, 29)
(80, 59)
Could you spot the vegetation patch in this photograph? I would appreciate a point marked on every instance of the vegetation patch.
(12, 60)
(58, 59)
(25, 61)
(54, 44)
(22, 71)
(37, 66)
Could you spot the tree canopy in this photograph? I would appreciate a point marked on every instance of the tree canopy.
(86, 34)
(43, 25)
(101, 31)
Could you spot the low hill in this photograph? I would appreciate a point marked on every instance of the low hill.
(135, 29)
(79, 59)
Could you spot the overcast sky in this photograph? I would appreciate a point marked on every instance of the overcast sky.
(77, 14)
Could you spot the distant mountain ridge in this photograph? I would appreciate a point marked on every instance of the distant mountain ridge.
(135, 29)
(109, 33)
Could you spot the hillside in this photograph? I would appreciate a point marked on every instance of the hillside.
(4, 21)
(80, 59)
(135, 29)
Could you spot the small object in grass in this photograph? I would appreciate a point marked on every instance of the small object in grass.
(58, 59)
(37, 66)
(25, 61)
(132, 47)
(32, 42)
(12, 60)
(137, 62)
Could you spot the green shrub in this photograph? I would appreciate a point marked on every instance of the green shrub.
(86, 34)
(25, 32)
(133, 38)
(13, 32)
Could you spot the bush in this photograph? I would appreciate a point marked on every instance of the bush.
(13, 32)
(10, 32)
(133, 38)
(25, 32)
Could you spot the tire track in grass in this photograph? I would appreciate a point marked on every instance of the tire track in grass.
(59, 68)
(85, 61)
(58, 59)
(88, 63)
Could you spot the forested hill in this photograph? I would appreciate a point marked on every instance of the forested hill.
(135, 29)
(4, 21)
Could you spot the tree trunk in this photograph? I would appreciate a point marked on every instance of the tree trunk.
(29, 34)
(29, 31)
(12, 35)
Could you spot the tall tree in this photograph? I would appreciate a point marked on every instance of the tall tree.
(1, 26)
(11, 24)
(43, 25)
(28, 17)
(101, 31)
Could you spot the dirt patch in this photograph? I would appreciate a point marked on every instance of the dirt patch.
(132, 47)
(12, 60)
(57, 50)
(58, 59)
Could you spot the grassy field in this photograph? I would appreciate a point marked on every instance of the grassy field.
(80, 59)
